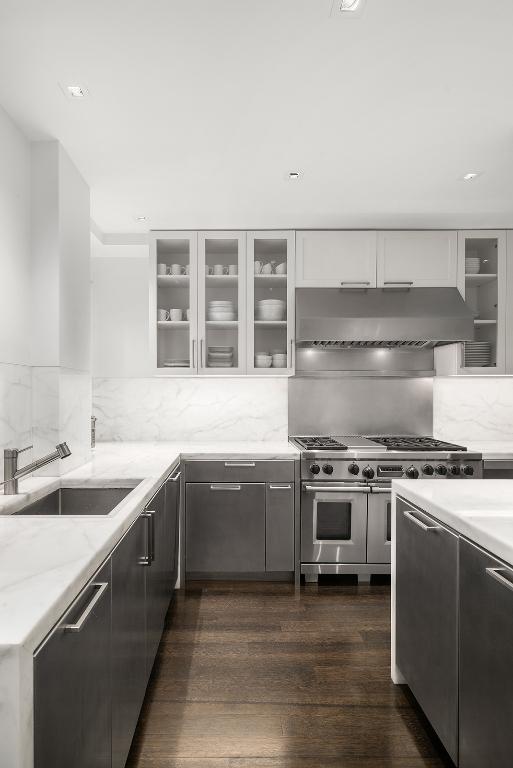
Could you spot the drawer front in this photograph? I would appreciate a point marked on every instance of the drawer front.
(239, 471)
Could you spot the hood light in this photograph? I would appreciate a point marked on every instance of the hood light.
(471, 176)
(348, 5)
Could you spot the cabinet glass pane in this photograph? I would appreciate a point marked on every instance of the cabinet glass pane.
(481, 295)
(333, 521)
(173, 304)
(270, 270)
(389, 521)
(222, 267)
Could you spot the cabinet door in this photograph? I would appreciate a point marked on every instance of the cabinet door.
(333, 259)
(157, 573)
(128, 639)
(270, 278)
(279, 527)
(427, 618)
(421, 259)
(222, 302)
(173, 302)
(72, 696)
(173, 519)
(486, 659)
(225, 528)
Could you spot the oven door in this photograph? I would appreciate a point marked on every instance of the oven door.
(333, 522)
(379, 530)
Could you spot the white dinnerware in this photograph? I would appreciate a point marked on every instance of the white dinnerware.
(177, 269)
(161, 269)
(175, 315)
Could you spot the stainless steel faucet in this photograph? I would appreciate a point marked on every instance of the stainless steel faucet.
(11, 472)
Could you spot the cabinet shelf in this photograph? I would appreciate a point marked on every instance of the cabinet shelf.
(271, 278)
(271, 323)
(222, 324)
(485, 322)
(172, 279)
(478, 280)
(172, 323)
(223, 279)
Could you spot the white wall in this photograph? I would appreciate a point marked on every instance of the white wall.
(473, 408)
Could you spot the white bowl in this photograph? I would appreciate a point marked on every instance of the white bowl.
(270, 315)
(263, 361)
(220, 349)
(271, 303)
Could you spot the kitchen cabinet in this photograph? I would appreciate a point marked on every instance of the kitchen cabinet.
(427, 617)
(173, 518)
(270, 278)
(129, 665)
(417, 259)
(334, 259)
(486, 659)
(158, 572)
(72, 695)
(279, 527)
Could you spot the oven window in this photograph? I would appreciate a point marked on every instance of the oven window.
(333, 520)
(389, 521)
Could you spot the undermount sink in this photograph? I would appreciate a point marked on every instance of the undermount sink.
(77, 501)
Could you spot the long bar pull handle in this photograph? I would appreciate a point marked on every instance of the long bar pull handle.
(355, 282)
(225, 487)
(401, 283)
(422, 525)
(194, 353)
(496, 573)
(147, 558)
(240, 464)
(338, 489)
(280, 487)
(99, 589)
(175, 477)
(202, 354)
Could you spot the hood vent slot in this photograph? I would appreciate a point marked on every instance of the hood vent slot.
(369, 344)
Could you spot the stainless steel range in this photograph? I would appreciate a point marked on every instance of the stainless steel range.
(346, 495)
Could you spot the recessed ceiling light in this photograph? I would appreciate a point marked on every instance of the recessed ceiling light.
(471, 175)
(140, 218)
(294, 175)
(348, 5)
(74, 91)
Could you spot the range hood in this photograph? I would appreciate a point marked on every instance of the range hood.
(377, 318)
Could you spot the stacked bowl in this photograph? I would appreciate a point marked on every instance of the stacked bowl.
(472, 265)
(478, 354)
(221, 311)
(220, 357)
(270, 309)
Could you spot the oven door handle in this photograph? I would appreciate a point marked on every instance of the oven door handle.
(381, 490)
(338, 489)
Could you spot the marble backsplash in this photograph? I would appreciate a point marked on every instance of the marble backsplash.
(15, 407)
(473, 408)
(191, 409)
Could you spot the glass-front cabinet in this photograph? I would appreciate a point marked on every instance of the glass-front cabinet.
(174, 302)
(270, 294)
(221, 302)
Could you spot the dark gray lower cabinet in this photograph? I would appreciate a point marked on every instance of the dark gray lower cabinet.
(173, 517)
(72, 697)
(225, 527)
(129, 664)
(279, 527)
(157, 574)
(427, 618)
(486, 660)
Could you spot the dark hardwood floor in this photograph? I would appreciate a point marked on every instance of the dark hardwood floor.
(253, 676)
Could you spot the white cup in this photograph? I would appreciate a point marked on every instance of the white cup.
(233, 269)
(258, 267)
(187, 314)
(218, 269)
(176, 269)
(162, 314)
(161, 269)
(267, 269)
(281, 268)
(175, 315)
(187, 269)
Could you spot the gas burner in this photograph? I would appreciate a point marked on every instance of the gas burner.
(320, 444)
(394, 443)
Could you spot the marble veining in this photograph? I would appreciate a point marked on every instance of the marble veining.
(191, 409)
(473, 408)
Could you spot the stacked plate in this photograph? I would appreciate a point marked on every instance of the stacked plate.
(221, 311)
(472, 265)
(176, 363)
(478, 354)
(220, 357)
(270, 309)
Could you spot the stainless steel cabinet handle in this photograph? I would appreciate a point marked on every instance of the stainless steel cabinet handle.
(225, 487)
(355, 282)
(338, 489)
(147, 559)
(381, 490)
(175, 477)
(496, 573)
(194, 353)
(202, 354)
(398, 282)
(240, 464)
(422, 525)
(280, 487)
(99, 589)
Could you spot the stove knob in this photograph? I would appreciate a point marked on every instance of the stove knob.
(368, 473)
(454, 470)
(468, 470)
(427, 469)
(412, 472)
(353, 469)
(315, 469)
(327, 469)
(441, 469)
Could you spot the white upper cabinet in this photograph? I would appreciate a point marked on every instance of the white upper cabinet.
(419, 259)
(335, 259)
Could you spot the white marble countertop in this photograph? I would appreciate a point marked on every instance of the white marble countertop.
(492, 450)
(45, 561)
(481, 510)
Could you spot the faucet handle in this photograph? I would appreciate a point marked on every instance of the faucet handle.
(22, 450)
(63, 450)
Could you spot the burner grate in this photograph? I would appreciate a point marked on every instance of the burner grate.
(405, 443)
(320, 443)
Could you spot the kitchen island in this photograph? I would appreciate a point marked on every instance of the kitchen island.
(452, 612)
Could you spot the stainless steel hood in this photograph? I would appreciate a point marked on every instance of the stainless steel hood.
(328, 318)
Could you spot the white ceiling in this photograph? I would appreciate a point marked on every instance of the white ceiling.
(199, 108)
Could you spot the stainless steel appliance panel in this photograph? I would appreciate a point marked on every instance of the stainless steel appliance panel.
(279, 527)
(239, 471)
(333, 523)
(337, 406)
(379, 526)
